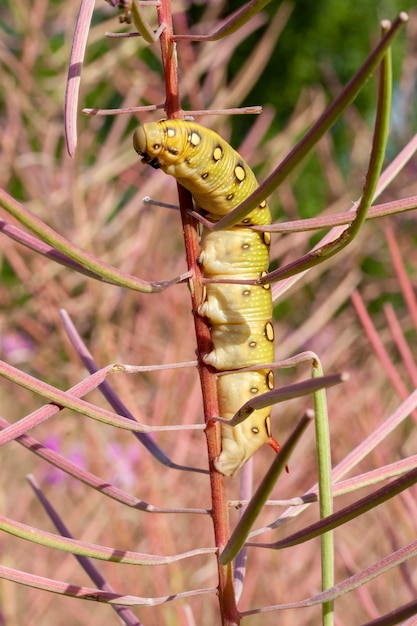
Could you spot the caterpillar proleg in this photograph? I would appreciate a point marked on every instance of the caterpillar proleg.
(240, 315)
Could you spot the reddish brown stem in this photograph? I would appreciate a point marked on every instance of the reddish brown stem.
(220, 516)
(172, 103)
(229, 613)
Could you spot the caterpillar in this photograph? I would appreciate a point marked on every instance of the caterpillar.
(239, 315)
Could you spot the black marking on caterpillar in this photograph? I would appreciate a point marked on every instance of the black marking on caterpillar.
(240, 315)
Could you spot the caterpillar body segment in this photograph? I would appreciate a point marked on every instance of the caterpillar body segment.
(239, 251)
(202, 162)
(240, 315)
(240, 442)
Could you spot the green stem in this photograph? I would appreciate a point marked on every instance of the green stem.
(324, 463)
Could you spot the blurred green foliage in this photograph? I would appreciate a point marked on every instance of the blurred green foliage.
(323, 44)
(318, 34)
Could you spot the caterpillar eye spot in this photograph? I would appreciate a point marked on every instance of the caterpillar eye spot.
(240, 173)
(230, 196)
(266, 238)
(217, 153)
(270, 380)
(262, 205)
(194, 139)
(245, 246)
(171, 132)
(247, 220)
(156, 146)
(255, 430)
(266, 286)
(246, 292)
(173, 151)
(269, 331)
(252, 344)
(268, 425)
(254, 390)
(205, 175)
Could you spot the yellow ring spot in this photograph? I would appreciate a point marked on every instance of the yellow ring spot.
(269, 331)
(267, 238)
(217, 153)
(265, 285)
(194, 138)
(240, 173)
(268, 425)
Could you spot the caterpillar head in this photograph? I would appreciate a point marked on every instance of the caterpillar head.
(148, 143)
(165, 144)
(241, 442)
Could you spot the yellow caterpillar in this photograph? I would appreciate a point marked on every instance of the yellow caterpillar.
(240, 315)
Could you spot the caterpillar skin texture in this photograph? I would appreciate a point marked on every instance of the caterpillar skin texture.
(240, 315)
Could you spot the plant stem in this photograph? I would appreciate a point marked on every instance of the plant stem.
(228, 609)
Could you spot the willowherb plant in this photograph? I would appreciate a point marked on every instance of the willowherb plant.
(151, 557)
